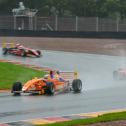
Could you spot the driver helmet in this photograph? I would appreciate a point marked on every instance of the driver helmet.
(46, 76)
(17, 45)
(57, 72)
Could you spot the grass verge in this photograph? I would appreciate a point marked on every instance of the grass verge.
(10, 73)
(103, 118)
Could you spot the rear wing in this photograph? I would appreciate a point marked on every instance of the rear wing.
(69, 75)
(8, 45)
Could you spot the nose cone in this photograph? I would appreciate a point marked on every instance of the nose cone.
(30, 85)
(24, 89)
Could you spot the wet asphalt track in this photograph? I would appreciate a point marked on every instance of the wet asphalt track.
(100, 91)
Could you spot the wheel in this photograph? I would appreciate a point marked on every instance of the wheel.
(17, 86)
(5, 50)
(77, 85)
(116, 75)
(39, 52)
(50, 88)
(23, 53)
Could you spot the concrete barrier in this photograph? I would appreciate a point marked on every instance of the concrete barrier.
(65, 34)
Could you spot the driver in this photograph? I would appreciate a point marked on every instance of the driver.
(58, 76)
(18, 46)
(50, 75)
(54, 75)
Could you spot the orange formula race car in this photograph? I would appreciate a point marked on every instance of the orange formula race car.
(69, 82)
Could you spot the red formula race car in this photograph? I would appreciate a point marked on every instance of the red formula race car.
(119, 74)
(49, 86)
(21, 50)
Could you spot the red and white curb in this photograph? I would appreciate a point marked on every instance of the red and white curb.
(45, 69)
(49, 120)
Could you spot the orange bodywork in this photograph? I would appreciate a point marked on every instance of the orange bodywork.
(39, 85)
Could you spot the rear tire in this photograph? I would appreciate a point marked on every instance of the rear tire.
(77, 85)
(5, 50)
(116, 75)
(17, 86)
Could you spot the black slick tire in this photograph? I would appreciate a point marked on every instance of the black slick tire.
(77, 85)
(39, 53)
(50, 88)
(16, 88)
(116, 75)
(23, 53)
(5, 50)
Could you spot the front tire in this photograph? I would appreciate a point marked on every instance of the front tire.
(16, 88)
(39, 53)
(77, 85)
(116, 75)
(23, 53)
(50, 88)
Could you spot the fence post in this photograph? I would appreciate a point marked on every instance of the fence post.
(56, 23)
(97, 22)
(35, 19)
(117, 24)
(14, 22)
(30, 23)
(76, 27)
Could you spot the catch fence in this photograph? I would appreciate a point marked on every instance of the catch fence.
(57, 23)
